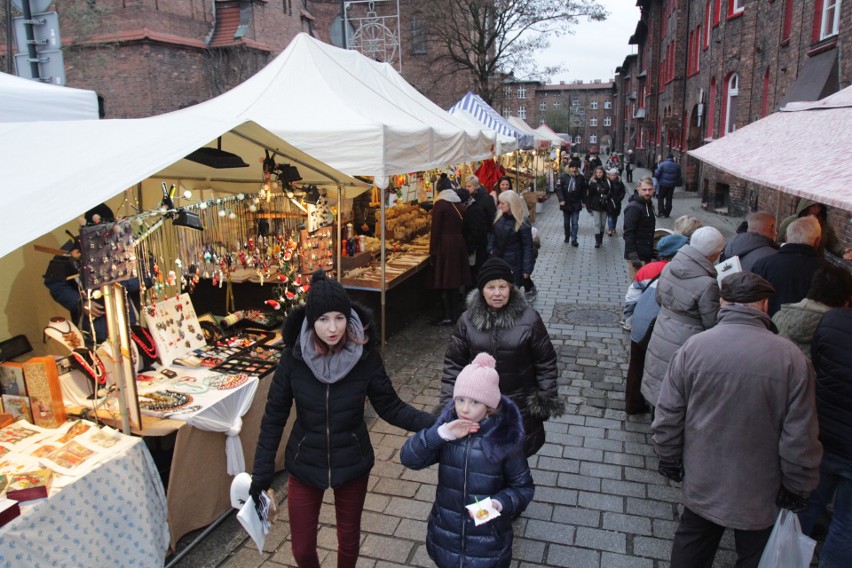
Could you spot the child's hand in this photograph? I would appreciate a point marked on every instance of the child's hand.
(461, 427)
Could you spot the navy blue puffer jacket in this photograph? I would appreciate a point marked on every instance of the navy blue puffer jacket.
(490, 463)
(515, 247)
(833, 363)
(668, 173)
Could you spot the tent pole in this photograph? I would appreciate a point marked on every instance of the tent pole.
(339, 262)
(384, 285)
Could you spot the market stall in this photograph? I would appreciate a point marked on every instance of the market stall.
(26, 100)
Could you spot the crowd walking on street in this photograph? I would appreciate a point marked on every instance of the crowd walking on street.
(634, 411)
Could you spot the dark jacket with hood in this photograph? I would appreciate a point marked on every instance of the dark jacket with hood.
(599, 192)
(489, 463)
(478, 217)
(329, 445)
(515, 247)
(526, 360)
(750, 247)
(668, 173)
(828, 239)
(638, 227)
(832, 360)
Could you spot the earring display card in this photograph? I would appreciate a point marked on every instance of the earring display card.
(107, 254)
(175, 328)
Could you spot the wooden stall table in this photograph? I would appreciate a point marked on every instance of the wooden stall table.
(114, 515)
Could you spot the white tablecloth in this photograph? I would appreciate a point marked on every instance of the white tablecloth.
(113, 516)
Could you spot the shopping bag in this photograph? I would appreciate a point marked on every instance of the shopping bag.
(787, 546)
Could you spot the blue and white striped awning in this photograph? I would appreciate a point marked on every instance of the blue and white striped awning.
(483, 112)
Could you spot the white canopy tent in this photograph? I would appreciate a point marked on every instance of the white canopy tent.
(774, 150)
(539, 140)
(351, 112)
(546, 132)
(100, 158)
(25, 100)
(505, 144)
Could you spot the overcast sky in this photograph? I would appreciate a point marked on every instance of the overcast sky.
(595, 49)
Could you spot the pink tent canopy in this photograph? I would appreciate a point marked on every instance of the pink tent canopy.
(804, 150)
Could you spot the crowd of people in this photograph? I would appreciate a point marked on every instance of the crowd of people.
(746, 378)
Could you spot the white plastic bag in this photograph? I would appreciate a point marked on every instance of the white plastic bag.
(787, 546)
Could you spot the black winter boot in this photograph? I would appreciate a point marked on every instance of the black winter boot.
(598, 240)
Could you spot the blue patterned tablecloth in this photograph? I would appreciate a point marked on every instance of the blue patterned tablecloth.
(113, 516)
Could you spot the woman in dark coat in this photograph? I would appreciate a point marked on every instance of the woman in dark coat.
(477, 442)
(329, 367)
(598, 202)
(450, 268)
(499, 321)
(511, 237)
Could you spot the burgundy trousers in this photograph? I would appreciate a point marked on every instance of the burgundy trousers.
(304, 502)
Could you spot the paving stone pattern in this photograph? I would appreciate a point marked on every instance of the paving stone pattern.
(599, 500)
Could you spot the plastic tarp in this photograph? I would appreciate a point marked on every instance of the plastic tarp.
(100, 158)
(344, 109)
(546, 132)
(539, 141)
(484, 113)
(25, 100)
(783, 150)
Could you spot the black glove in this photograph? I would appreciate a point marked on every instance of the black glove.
(793, 501)
(672, 469)
(634, 260)
(254, 492)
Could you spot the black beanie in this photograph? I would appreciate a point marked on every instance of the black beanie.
(494, 269)
(325, 296)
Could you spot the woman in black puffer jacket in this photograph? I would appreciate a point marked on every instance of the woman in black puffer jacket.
(498, 321)
(511, 237)
(329, 366)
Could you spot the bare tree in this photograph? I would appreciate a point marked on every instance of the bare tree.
(491, 39)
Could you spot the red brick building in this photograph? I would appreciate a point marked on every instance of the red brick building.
(704, 68)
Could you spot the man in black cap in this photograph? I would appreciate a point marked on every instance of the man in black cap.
(571, 192)
(736, 422)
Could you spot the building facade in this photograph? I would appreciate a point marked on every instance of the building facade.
(583, 111)
(707, 67)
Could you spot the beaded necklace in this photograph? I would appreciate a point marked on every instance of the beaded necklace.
(95, 369)
(148, 347)
(164, 400)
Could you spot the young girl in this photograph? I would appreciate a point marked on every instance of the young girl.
(478, 442)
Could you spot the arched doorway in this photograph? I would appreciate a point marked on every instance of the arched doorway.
(692, 166)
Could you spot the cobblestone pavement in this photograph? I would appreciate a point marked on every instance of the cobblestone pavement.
(599, 500)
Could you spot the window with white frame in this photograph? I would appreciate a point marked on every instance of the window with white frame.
(593, 121)
(522, 112)
(507, 92)
(735, 7)
(578, 139)
(733, 90)
(829, 24)
(522, 92)
(607, 104)
(593, 138)
(542, 106)
(556, 104)
(607, 121)
(594, 105)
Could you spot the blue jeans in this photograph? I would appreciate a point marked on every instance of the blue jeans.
(571, 222)
(612, 221)
(835, 480)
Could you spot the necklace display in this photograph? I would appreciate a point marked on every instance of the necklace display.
(148, 347)
(164, 400)
(94, 367)
(70, 336)
(225, 382)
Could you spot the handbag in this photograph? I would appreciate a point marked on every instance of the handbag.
(787, 547)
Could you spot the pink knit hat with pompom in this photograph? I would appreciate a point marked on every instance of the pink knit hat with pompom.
(479, 381)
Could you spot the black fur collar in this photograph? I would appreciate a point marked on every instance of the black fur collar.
(502, 433)
(482, 317)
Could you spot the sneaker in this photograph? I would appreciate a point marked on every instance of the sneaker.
(575, 244)
(626, 326)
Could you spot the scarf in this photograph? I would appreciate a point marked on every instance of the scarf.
(332, 367)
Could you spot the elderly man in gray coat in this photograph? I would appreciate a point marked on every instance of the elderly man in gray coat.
(736, 422)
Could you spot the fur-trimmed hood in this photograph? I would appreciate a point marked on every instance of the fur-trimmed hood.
(292, 326)
(483, 317)
(502, 433)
